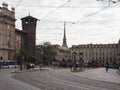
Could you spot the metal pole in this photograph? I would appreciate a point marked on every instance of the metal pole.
(21, 53)
(109, 3)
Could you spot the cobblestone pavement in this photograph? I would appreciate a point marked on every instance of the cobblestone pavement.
(63, 79)
(8, 83)
(101, 74)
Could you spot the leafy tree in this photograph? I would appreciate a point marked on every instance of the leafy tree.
(25, 56)
(48, 53)
(38, 59)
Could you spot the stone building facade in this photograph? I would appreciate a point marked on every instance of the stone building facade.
(7, 32)
(18, 40)
(97, 52)
(11, 38)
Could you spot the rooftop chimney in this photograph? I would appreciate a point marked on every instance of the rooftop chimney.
(5, 5)
(13, 9)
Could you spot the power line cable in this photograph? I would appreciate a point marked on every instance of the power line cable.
(18, 4)
(97, 12)
(55, 10)
(107, 7)
(100, 10)
(55, 21)
(86, 17)
(94, 21)
(97, 21)
(67, 3)
(50, 6)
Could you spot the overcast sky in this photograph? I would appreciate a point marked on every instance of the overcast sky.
(94, 21)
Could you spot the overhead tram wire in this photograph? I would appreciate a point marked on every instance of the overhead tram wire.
(85, 17)
(55, 10)
(50, 12)
(95, 21)
(18, 4)
(96, 13)
(100, 10)
(58, 7)
(50, 29)
(50, 6)
(107, 7)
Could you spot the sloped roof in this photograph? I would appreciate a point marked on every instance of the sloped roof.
(28, 17)
(19, 31)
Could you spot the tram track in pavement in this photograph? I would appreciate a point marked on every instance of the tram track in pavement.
(58, 80)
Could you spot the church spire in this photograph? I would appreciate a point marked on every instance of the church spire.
(64, 37)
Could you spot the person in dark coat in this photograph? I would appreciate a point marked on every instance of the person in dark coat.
(107, 66)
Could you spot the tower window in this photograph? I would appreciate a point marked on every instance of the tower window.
(8, 26)
(32, 21)
(26, 21)
(8, 41)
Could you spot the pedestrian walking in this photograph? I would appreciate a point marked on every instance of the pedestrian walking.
(74, 66)
(40, 66)
(107, 66)
(71, 67)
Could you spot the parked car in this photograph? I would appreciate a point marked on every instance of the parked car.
(110, 65)
(32, 65)
(116, 66)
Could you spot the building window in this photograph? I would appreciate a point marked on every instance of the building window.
(32, 21)
(8, 41)
(8, 55)
(8, 26)
(26, 21)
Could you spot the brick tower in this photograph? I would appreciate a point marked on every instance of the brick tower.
(29, 27)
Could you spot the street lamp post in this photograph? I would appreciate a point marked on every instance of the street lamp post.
(21, 52)
(119, 62)
(74, 56)
(109, 2)
(81, 58)
(1, 62)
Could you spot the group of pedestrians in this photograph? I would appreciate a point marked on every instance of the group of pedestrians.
(74, 66)
(107, 66)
